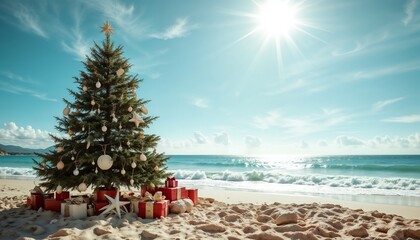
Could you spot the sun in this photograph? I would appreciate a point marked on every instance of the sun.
(277, 18)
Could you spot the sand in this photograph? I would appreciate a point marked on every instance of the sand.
(212, 219)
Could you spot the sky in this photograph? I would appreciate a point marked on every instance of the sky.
(227, 77)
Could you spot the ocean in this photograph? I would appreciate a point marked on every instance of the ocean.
(344, 177)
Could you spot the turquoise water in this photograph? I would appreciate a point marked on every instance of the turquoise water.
(350, 175)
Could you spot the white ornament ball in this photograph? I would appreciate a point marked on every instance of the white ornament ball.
(84, 88)
(60, 165)
(59, 189)
(130, 109)
(133, 165)
(128, 143)
(92, 102)
(98, 84)
(82, 187)
(156, 168)
(96, 170)
(72, 158)
(66, 111)
(105, 162)
(120, 148)
(120, 126)
(104, 128)
(99, 110)
(83, 128)
(123, 171)
(132, 181)
(143, 157)
(93, 163)
(144, 109)
(59, 149)
(76, 172)
(114, 119)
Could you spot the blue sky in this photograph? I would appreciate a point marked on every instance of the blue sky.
(344, 79)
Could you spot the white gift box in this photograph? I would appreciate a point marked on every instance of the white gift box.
(74, 210)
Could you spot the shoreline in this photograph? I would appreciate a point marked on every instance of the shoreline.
(19, 187)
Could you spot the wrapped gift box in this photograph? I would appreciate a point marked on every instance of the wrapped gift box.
(145, 189)
(74, 210)
(193, 195)
(98, 206)
(153, 209)
(134, 205)
(52, 204)
(28, 202)
(62, 196)
(174, 193)
(171, 182)
(37, 199)
(100, 194)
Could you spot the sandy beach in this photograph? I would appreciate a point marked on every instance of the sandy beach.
(220, 214)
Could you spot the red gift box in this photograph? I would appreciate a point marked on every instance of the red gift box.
(171, 182)
(28, 202)
(62, 196)
(100, 194)
(193, 195)
(174, 193)
(98, 206)
(153, 209)
(145, 189)
(37, 199)
(52, 204)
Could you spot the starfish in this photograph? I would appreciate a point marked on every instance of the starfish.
(136, 119)
(114, 203)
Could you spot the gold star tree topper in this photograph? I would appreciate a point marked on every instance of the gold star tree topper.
(107, 29)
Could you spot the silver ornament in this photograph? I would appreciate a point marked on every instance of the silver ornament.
(72, 158)
(76, 172)
(133, 165)
(96, 170)
(120, 148)
(123, 171)
(92, 102)
(132, 182)
(98, 84)
(143, 157)
(104, 128)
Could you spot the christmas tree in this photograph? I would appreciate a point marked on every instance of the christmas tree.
(104, 143)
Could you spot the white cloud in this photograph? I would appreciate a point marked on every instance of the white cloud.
(381, 104)
(24, 136)
(21, 90)
(409, 11)
(344, 140)
(27, 19)
(322, 143)
(201, 103)
(177, 30)
(222, 138)
(200, 138)
(390, 70)
(271, 119)
(252, 142)
(411, 141)
(304, 145)
(122, 15)
(404, 119)
(79, 47)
